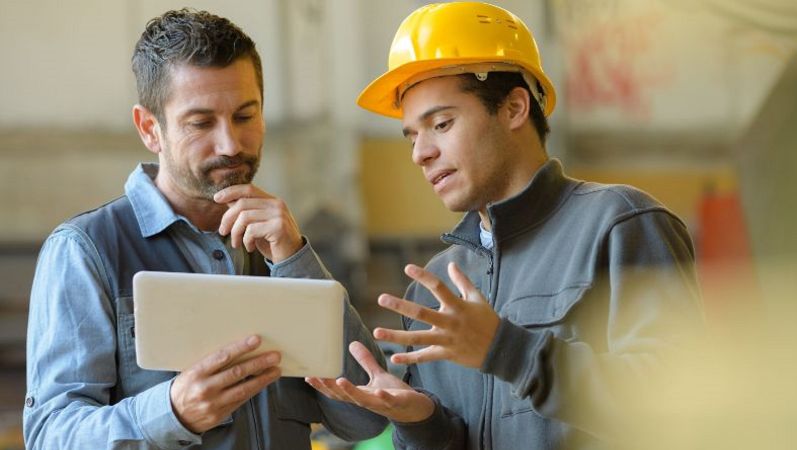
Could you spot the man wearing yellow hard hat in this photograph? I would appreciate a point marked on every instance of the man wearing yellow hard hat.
(555, 294)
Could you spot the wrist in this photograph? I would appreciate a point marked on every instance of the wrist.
(422, 411)
(426, 410)
(286, 250)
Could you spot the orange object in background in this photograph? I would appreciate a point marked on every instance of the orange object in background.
(724, 259)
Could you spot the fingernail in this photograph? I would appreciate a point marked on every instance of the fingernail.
(253, 340)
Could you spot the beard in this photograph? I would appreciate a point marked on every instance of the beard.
(203, 184)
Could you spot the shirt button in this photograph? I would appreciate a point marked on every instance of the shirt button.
(182, 442)
(29, 402)
(218, 254)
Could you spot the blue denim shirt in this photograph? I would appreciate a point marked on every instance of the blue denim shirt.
(73, 347)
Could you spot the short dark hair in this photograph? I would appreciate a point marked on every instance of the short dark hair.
(492, 92)
(187, 36)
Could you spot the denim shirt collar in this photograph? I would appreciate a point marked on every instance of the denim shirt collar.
(153, 212)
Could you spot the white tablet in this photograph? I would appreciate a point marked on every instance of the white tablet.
(181, 318)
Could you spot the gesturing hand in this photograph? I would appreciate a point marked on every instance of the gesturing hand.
(259, 220)
(384, 394)
(213, 388)
(462, 330)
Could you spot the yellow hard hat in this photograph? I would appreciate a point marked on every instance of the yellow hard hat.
(458, 37)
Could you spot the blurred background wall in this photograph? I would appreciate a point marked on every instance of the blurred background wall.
(694, 101)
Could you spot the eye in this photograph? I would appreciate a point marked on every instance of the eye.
(443, 126)
(244, 118)
(200, 124)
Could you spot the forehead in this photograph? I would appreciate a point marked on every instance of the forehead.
(434, 93)
(212, 87)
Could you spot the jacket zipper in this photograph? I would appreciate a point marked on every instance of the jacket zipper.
(484, 436)
(257, 424)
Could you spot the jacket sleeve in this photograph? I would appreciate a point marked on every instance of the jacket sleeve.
(345, 420)
(71, 362)
(443, 430)
(653, 313)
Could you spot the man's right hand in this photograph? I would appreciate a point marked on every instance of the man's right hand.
(212, 389)
(384, 394)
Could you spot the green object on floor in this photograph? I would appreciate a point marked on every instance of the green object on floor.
(382, 442)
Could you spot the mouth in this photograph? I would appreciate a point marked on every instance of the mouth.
(228, 167)
(437, 178)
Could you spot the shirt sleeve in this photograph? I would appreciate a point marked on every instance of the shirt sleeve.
(653, 313)
(345, 420)
(71, 361)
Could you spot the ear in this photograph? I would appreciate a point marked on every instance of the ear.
(518, 107)
(148, 128)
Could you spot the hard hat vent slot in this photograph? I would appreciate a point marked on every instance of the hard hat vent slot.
(483, 19)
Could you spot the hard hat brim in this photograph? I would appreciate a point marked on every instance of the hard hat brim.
(380, 96)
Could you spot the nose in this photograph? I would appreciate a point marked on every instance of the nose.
(424, 150)
(226, 139)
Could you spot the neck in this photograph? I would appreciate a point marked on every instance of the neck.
(485, 219)
(528, 162)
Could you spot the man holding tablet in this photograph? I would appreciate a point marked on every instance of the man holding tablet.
(200, 107)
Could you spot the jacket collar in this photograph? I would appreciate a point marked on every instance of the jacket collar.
(547, 190)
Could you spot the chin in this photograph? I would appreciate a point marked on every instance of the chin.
(455, 205)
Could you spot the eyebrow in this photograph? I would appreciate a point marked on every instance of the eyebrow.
(201, 111)
(426, 115)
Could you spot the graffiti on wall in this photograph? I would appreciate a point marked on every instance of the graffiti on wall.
(613, 64)
(613, 55)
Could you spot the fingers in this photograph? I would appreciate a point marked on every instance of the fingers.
(239, 191)
(423, 355)
(213, 387)
(327, 387)
(360, 396)
(365, 359)
(413, 310)
(245, 369)
(462, 282)
(265, 224)
(245, 211)
(222, 358)
(236, 394)
(434, 285)
(343, 390)
(414, 338)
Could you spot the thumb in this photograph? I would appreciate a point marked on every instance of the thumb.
(463, 283)
(365, 359)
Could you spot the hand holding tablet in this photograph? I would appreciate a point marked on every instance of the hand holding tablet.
(181, 318)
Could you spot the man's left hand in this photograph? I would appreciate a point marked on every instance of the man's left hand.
(259, 221)
(462, 330)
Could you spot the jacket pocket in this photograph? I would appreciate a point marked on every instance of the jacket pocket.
(539, 311)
